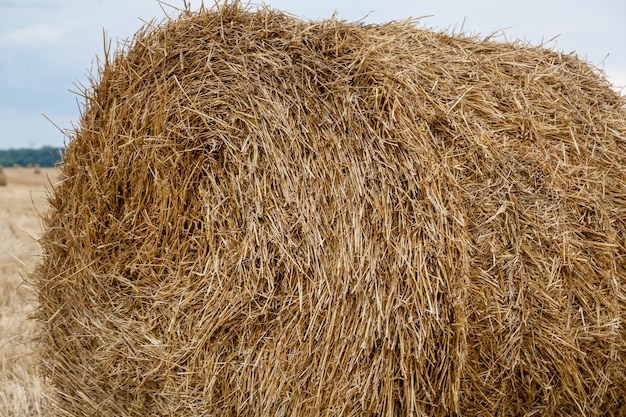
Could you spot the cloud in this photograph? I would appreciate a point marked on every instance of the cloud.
(21, 4)
(33, 35)
(29, 128)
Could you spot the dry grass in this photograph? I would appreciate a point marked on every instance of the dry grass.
(265, 216)
(21, 389)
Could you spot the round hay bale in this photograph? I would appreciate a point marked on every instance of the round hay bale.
(264, 216)
(3, 179)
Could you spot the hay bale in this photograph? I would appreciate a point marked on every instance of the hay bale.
(265, 216)
(3, 179)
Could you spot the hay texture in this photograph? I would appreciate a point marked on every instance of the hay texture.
(264, 216)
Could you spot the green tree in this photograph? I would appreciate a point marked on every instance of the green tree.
(47, 156)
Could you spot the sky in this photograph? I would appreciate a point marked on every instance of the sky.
(48, 48)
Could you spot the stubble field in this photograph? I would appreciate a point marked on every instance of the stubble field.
(21, 390)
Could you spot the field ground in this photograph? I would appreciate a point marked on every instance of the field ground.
(21, 201)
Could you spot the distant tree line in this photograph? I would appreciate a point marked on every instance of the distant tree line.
(48, 156)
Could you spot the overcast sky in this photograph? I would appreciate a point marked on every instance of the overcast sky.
(49, 46)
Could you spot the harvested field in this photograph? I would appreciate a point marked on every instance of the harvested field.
(21, 204)
(263, 216)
